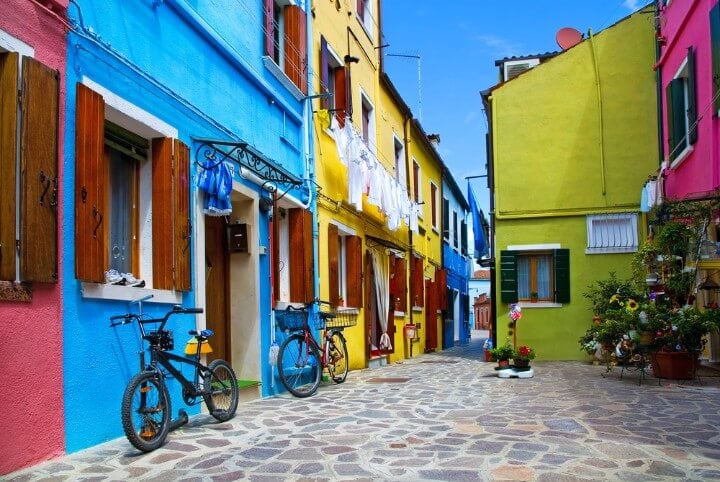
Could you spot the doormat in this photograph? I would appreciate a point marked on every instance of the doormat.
(247, 383)
(440, 361)
(388, 380)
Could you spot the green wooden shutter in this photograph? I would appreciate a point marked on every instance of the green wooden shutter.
(508, 277)
(669, 118)
(8, 162)
(692, 97)
(676, 117)
(715, 46)
(562, 275)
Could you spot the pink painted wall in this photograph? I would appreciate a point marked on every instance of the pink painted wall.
(685, 24)
(31, 351)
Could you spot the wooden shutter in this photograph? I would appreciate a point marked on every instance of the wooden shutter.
(8, 162)
(91, 191)
(39, 173)
(441, 287)
(715, 46)
(675, 115)
(430, 316)
(182, 228)
(353, 263)
(446, 219)
(342, 90)
(301, 255)
(333, 277)
(562, 275)
(401, 282)
(162, 213)
(325, 80)
(269, 7)
(296, 46)
(418, 280)
(508, 277)
(463, 238)
(691, 97)
(349, 92)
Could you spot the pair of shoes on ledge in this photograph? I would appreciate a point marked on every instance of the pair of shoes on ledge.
(114, 277)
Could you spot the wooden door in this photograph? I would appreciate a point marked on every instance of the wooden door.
(217, 286)
(430, 316)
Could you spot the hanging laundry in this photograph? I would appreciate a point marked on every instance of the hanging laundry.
(216, 183)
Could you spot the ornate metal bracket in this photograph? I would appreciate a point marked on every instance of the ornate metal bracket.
(211, 152)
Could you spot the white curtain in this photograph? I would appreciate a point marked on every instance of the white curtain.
(381, 266)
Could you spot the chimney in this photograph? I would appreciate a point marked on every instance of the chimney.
(434, 139)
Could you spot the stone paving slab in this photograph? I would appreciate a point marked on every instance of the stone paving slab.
(452, 420)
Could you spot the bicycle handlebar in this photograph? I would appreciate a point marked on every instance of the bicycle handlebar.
(126, 318)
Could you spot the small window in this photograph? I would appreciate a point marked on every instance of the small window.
(446, 220)
(400, 172)
(417, 190)
(535, 276)
(365, 15)
(344, 267)
(433, 205)
(455, 229)
(368, 123)
(333, 81)
(514, 68)
(285, 42)
(612, 233)
(681, 109)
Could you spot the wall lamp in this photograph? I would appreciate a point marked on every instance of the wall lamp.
(349, 59)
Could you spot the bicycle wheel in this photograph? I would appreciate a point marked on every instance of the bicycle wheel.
(337, 357)
(299, 366)
(145, 411)
(221, 384)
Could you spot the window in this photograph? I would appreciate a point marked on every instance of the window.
(344, 267)
(682, 109)
(333, 79)
(715, 46)
(612, 233)
(285, 40)
(446, 220)
(417, 191)
(536, 271)
(368, 123)
(293, 253)
(463, 237)
(365, 15)
(28, 167)
(433, 205)
(400, 172)
(122, 176)
(455, 229)
(398, 282)
(514, 68)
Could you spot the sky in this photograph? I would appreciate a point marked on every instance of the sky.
(458, 42)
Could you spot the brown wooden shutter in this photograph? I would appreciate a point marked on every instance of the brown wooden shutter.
(401, 282)
(341, 95)
(162, 213)
(353, 262)
(181, 220)
(8, 162)
(275, 250)
(430, 316)
(333, 281)
(325, 102)
(296, 46)
(91, 179)
(269, 28)
(39, 173)
(441, 286)
(418, 279)
(301, 256)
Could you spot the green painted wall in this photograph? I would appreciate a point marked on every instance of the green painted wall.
(573, 136)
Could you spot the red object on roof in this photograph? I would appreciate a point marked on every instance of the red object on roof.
(568, 37)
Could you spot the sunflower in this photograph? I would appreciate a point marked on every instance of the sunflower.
(632, 305)
(616, 299)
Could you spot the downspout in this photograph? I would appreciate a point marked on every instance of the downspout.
(490, 155)
(410, 233)
(601, 132)
(658, 88)
(309, 150)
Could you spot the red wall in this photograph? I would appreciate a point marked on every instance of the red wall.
(31, 361)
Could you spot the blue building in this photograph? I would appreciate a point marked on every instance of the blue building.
(187, 174)
(456, 262)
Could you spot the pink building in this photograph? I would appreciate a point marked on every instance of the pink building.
(689, 69)
(32, 62)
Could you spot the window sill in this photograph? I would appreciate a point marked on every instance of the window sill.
(539, 304)
(610, 250)
(399, 314)
(282, 77)
(417, 309)
(128, 293)
(684, 154)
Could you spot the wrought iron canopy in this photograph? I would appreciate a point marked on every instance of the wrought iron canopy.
(211, 152)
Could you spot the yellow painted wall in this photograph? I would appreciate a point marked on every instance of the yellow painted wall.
(575, 135)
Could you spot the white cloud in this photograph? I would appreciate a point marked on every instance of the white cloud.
(632, 5)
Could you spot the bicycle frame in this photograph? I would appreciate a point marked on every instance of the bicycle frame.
(164, 358)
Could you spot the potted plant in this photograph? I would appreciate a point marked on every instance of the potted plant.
(502, 354)
(522, 356)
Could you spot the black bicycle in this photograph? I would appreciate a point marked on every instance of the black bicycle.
(146, 407)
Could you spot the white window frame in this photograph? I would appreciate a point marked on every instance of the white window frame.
(418, 188)
(434, 206)
(523, 248)
(367, 19)
(626, 236)
(343, 233)
(400, 171)
(366, 103)
(682, 72)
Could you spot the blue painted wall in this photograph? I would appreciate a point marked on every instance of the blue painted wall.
(456, 263)
(197, 66)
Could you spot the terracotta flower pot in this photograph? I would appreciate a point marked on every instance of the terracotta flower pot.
(503, 363)
(521, 363)
(674, 365)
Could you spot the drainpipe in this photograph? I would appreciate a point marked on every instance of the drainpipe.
(601, 132)
(410, 233)
(309, 150)
(658, 88)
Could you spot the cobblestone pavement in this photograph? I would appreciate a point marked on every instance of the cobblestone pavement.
(441, 416)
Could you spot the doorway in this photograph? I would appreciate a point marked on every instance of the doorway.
(217, 287)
